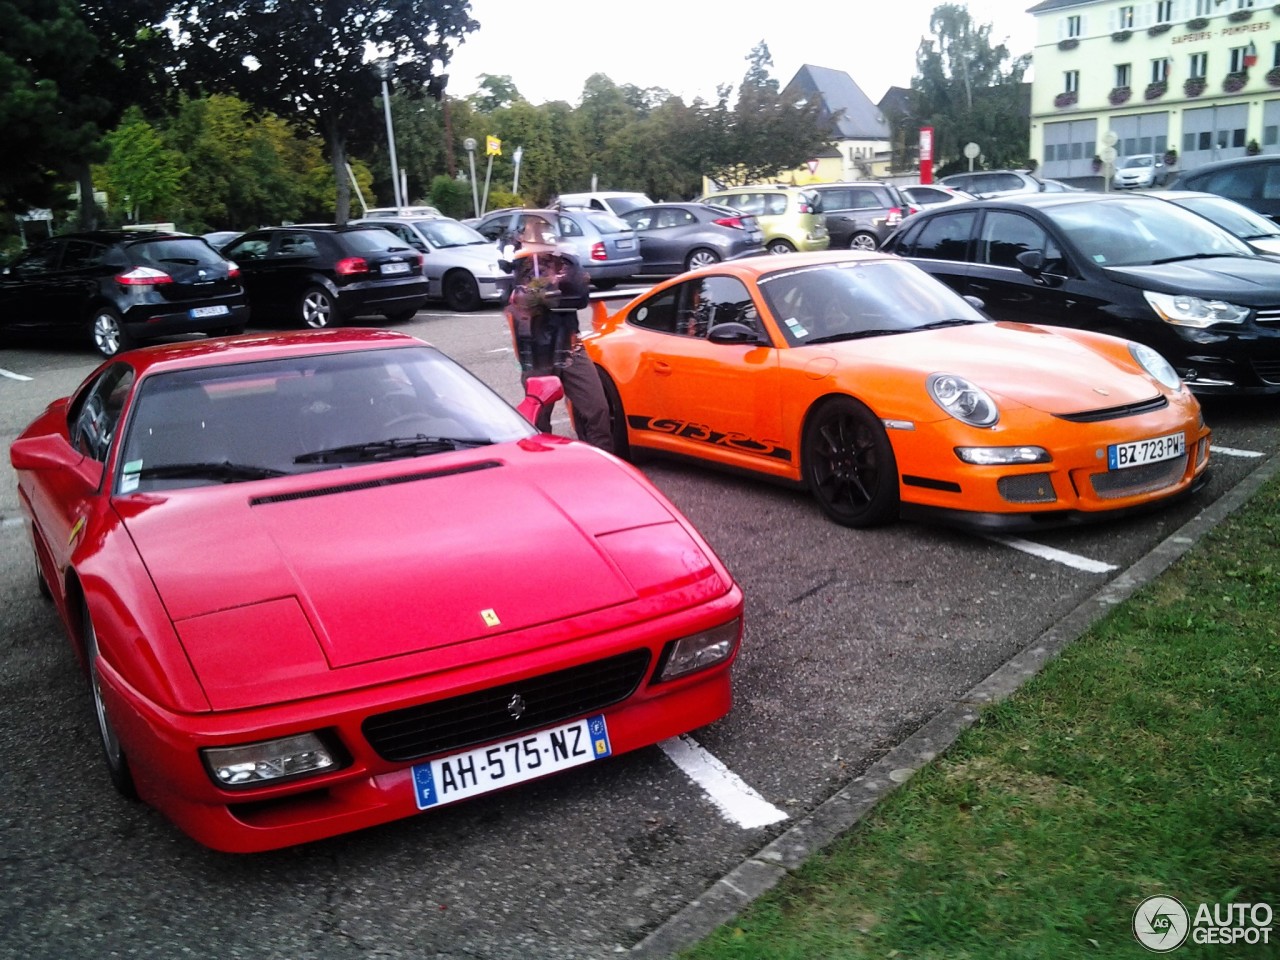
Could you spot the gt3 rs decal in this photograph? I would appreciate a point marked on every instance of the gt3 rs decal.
(701, 433)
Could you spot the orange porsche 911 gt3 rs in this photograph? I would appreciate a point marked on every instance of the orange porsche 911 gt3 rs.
(884, 393)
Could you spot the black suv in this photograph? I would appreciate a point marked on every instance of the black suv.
(1253, 181)
(860, 215)
(120, 287)
(321, 275)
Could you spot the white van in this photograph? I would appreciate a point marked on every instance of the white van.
(615, 202)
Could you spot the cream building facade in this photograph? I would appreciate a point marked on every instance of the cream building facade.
(1197, 80)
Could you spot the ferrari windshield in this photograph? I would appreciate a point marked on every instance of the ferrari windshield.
(249, 421)
(829, 302)
(1139, 231)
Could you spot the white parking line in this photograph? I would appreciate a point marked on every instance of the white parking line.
(737, 801)
(1233, 452)
(1056, 555)
(11, 375)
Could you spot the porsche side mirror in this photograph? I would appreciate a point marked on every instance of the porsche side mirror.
(733, 332)
(538, 392)
(55, 453)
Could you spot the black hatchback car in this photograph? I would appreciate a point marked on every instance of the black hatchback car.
(117, 288)
(1129, 265)
(321, 275)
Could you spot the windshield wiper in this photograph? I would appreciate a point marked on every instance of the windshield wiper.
(939, 324)
(1185, 256)
(223, 471)
(853, 335)
(389, 449)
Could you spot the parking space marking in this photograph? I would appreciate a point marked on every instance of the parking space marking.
(11, 375)
(736, 801)
(1056, 555)
(1233, 452)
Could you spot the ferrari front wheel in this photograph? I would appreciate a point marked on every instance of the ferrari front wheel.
(113, 753)
(849, 464)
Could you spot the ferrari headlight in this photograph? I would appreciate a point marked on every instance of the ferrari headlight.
(1002, 456)
(1156, 365)
(963, 400)
(1188, 311)
(256, 764)
(699, 651)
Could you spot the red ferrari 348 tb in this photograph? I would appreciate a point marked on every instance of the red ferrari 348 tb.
(324, 580)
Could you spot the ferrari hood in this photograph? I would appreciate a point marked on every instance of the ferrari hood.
(1031, 365)
(401, 558)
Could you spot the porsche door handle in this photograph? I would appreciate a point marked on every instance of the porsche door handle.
(662, 368)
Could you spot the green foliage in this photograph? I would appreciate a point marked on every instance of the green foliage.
(143, 177)
(451, 196)
(970, 91)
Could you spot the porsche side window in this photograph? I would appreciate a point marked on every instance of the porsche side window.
(658, 312)
(945, 237)
(707, 303)
(96, 416)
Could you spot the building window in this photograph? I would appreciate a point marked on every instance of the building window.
(1199, 66)
(1164, 11)
(1073, 26)
(1160, 70)
(1071, 81)
(1244, 4)
(1204, 7)
(1122, 75)
(1237, 59)
(1124, 19)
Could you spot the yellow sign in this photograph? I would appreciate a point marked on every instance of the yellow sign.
(492, 146)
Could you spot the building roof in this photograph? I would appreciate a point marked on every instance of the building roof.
(1046, 5)
(856, 117)
(896, 100)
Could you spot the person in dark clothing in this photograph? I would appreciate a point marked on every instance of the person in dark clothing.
(548, 287)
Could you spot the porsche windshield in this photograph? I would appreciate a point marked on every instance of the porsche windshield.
(249, 421)
(829, 302)
(1139, 231)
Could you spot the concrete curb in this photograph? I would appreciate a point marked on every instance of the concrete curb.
(759, 873)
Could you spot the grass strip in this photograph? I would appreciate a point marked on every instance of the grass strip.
(1145, 760)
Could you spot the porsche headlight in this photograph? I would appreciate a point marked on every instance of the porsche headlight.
(1156, 365)
(1188, 311)
(1003, 456)
(963, 400)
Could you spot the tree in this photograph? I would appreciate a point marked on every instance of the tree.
(765, 131)
(969, 90)
(49, 111)
(310, 60)
(494, 93)
(142, 174)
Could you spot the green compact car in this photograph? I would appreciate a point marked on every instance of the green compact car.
(790, 217)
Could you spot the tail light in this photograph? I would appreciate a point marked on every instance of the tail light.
(233, 270)
(734, 222)
(143, 277)
(895, 216)
(598, 251)
(805, 207)
(351, 265)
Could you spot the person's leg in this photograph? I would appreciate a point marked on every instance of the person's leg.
(542, 420)
(587, 401)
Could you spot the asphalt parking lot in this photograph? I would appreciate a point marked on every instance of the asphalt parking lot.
(854, 639)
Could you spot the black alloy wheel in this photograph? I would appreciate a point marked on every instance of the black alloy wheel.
(849, 464)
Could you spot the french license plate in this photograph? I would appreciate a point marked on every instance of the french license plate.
(199, 312)
(395, 268)
(626, 244)
(477, 771)
(1122, 455)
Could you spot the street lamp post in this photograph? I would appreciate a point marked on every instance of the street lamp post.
(385, 68)
(469, 145)
(515, 180)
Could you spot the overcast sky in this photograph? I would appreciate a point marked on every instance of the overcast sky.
(690, 46)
